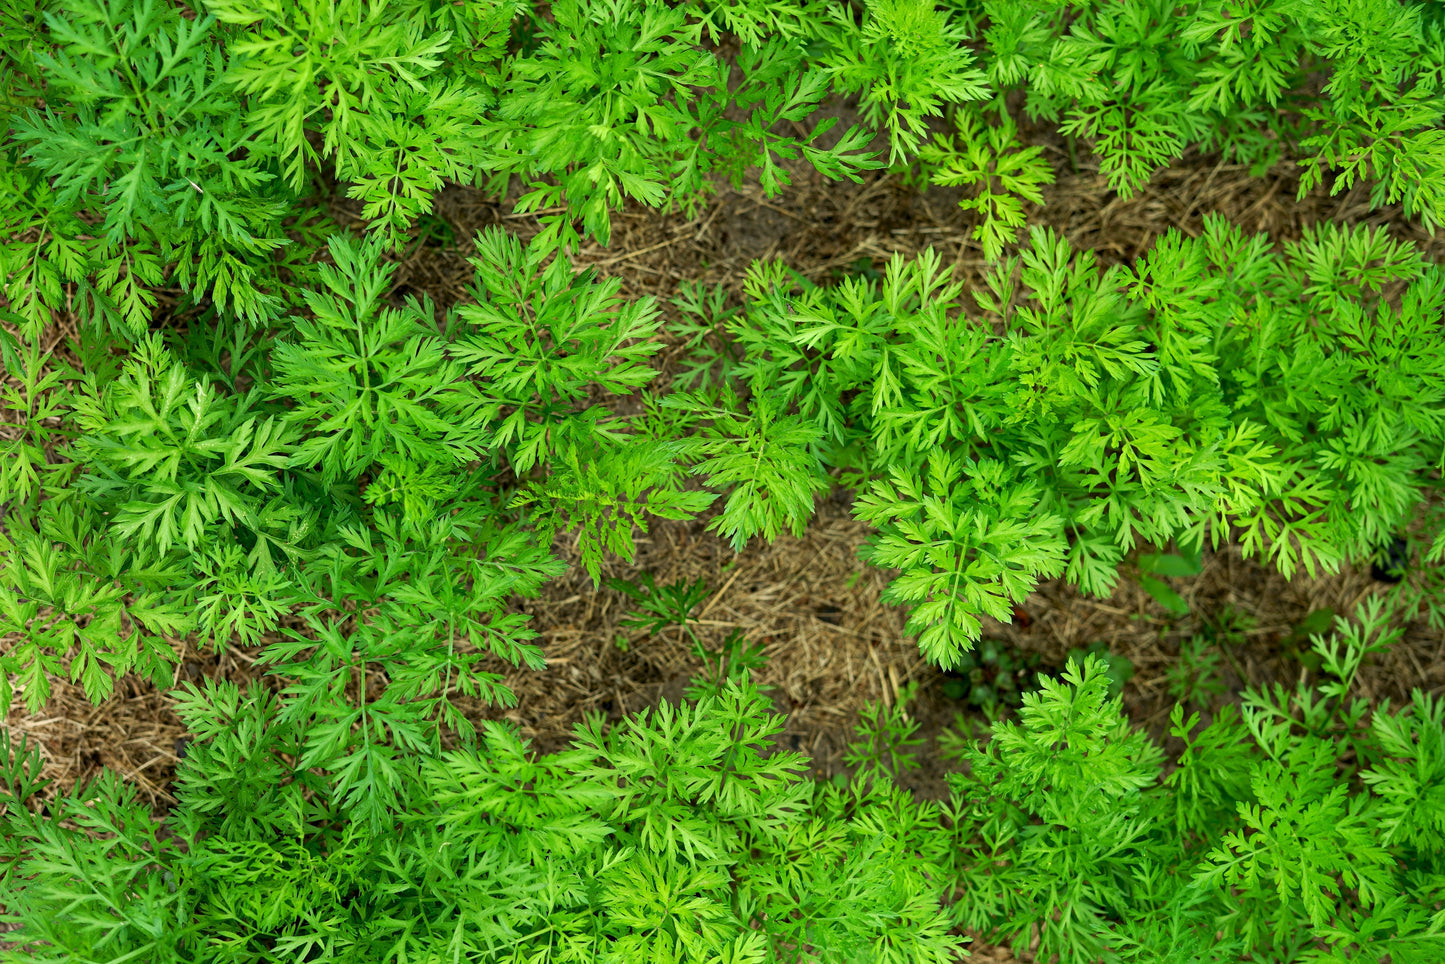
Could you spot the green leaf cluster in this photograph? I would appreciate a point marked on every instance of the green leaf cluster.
(263, 442)
(1350, 89)
(674, 837)
(907, 63)
(1300, 827)
(362, 492)
(155, 142)
(989, 159)
(191, 143)
(1215, 390)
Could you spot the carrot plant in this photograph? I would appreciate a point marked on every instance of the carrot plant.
(258, 438)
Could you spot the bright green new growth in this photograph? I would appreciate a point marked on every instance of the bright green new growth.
(676, 836)
(906, 64)
(364, 470)
(1261, 841)
(265, 444)
(989, 158)
(669, 838)
(195, 135)
(1213, 391)
(193, 131)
